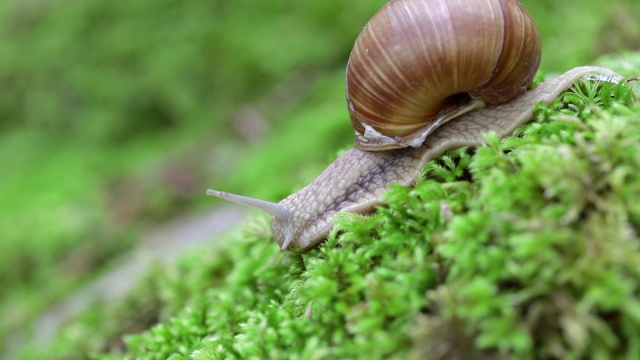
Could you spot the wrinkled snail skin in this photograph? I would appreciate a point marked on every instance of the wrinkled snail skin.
(357, 179)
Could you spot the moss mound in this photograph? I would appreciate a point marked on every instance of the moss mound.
(527, 248)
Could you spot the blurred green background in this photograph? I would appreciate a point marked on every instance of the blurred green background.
(116, 115)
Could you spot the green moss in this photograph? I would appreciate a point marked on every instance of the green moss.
(544, 263)
(526, 248)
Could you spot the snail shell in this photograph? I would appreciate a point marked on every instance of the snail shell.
(419, 63)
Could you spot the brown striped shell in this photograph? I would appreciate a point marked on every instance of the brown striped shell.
(419, 63)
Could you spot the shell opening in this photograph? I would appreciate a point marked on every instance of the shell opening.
(455, 106)
(455, 102)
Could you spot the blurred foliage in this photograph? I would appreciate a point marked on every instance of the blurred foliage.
(114, 115)
(576, 34)
(100, 98)
(113, 71)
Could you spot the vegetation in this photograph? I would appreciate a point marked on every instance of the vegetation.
(525, 248)
(106, 113)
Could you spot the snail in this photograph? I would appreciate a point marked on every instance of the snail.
(424, 76)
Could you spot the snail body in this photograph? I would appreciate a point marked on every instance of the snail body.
(357, 179)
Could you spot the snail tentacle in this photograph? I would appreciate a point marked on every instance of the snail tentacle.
(277, 210)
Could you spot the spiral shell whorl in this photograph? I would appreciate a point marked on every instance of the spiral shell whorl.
(418, 62)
